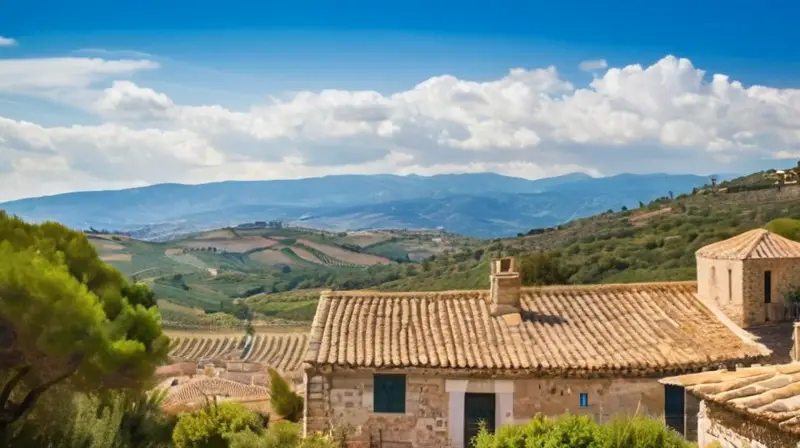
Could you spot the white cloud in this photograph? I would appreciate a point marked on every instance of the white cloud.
(7, 42)
(592, 65)
(529, 123)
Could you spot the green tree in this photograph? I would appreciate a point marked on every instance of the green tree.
(66, 316)
(542, 268)
(785, 227)
(213, 425)
(283, 399)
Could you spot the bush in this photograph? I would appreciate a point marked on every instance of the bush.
(282, 435)
(582, 432)
(211, 426)
(284, 401)
(785, 227)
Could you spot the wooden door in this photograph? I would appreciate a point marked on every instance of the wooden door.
(477, 408)
(674, 407)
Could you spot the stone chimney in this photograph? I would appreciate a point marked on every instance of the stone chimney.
(505, 286)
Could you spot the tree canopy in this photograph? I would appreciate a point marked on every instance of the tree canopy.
(65, 315)
(785, 227)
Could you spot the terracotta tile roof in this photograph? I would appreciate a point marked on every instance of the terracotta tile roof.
(618, 329)
(196, 389)
(755, 244)
(767, 393)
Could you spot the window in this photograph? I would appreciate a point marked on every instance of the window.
(730, 286)
(389, 394)
(584, 400)
(505, 265)
(767, 286)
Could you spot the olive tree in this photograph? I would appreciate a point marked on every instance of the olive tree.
(68, 317)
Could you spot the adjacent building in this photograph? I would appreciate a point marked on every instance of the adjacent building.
(423, 368)
(756, 407)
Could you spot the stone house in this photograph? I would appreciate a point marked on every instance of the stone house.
(423, 368)
(754, 407)
(747, 276)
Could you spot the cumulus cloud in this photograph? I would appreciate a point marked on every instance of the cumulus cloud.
(529, 123)
(593, 64)
(7, 41)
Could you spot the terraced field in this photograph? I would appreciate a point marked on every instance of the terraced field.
(346, 256)
(239, 245)
(323, 257)
(282, 351)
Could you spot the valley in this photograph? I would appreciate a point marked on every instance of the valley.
(219, 277)
(273, 275)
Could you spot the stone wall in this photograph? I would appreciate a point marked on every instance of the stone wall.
(606, 397)
(350, 401)
(716, 424)
(785, 275)
(720, 282)
(346, 400)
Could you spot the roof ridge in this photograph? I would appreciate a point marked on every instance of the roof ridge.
(329, 294)
(606, 286)
(752, 246)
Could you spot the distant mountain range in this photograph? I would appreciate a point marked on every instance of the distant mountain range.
(483, 205)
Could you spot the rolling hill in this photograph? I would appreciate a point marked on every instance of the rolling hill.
(274, 274)
(655, 242)
(480, 205)
(201, 279)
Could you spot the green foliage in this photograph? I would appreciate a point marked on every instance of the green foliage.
(542, 269)
(117, 420)
(211, 426)
(582, 432)
(284, 400)
(67, 316)
(283, 434)
(785, 227)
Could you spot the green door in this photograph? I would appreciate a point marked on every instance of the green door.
(477, 408)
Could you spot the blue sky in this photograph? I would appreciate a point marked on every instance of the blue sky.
(236, 55)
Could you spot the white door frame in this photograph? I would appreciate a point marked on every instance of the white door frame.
(457, 389)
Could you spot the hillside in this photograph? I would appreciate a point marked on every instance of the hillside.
(200, 279)
(655, 242)
(274, 274)
(480, 205)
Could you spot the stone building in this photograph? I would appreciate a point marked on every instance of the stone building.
(755, 407)
(747, 276)
(422, 368)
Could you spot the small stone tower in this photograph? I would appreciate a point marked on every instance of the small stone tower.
(505, 286)
(747, 276)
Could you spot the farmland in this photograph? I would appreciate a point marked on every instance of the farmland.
(206, 280)
(283, 351)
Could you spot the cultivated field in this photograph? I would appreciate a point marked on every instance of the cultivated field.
(240, 245)
(283, 351)
(364, 238)
(272, 257)
(116, 257)
(358, 259)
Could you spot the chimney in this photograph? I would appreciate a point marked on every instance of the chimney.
(505, 286)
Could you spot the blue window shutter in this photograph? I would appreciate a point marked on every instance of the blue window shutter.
(584, 400)
(389, 393)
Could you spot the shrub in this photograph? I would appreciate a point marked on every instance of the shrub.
(211, 426)
(785, 227)
(282, 435)
(284, 401)
(582, 432)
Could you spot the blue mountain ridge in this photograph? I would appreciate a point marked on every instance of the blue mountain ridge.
(484, 205)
